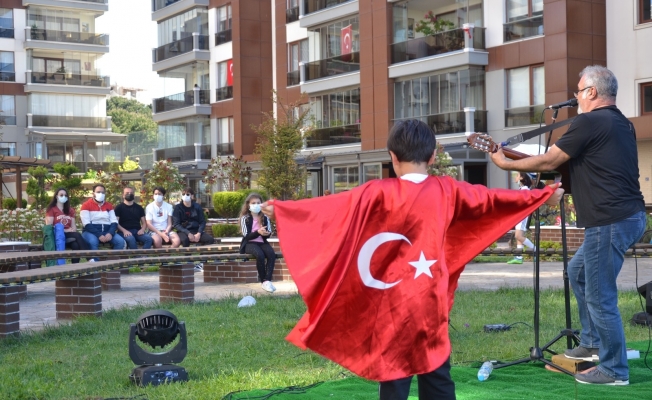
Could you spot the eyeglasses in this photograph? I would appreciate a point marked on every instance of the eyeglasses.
(581, 90)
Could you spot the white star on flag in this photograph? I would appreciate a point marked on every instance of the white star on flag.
(422, 266)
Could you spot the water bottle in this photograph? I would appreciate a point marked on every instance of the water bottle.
(485, 371)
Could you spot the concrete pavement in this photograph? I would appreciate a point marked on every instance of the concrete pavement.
(38, 309)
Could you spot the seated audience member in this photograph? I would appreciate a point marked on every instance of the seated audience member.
(59, 211)
(189, 220)
(131, 221)
(100, 223)
(158, 215)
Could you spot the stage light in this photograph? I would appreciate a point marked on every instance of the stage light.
(158, 328)
(645, 317)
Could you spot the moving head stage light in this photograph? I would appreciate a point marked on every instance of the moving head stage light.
(158, 328)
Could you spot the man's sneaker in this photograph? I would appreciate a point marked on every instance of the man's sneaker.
(595, 377)
(199, 267)
(267, 286)
(272, 286)
(515, 261)
(582, 353)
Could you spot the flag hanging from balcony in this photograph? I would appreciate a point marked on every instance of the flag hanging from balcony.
(229, 73)
(346, 43)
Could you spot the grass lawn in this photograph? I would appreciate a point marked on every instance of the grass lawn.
(234, 349)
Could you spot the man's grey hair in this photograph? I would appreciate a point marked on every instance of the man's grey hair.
(602, 79)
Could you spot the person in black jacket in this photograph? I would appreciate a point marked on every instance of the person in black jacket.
(189, 221)
(256, 228)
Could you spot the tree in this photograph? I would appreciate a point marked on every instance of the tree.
(129, 115)
(66, 180)
(442, 165)
(280, 141)
(39, 176)
(163, 174)
(113, 185)
(233, 172)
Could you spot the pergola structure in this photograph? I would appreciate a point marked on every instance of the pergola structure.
(16, 164)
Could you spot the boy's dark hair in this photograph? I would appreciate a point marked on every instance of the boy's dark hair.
(188, 190)
(526, 180)
(99, 185)
(160, 189)
(412, 141)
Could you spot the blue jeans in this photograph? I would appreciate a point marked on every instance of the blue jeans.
(592, 273)
(93, 241)
(145, 239)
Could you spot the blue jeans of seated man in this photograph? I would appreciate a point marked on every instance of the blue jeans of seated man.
(132, 241)
(93, 241)
(592, 273)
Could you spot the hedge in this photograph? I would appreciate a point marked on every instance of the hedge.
(10, 204)
(229, 204)
(226, 230)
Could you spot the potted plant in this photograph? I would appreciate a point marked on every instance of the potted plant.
(432, 25)
(35, 32)
(60, 74)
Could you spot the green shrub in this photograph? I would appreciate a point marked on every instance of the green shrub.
(226, 230)
(228, 204)
(10, 204)
(548, 244)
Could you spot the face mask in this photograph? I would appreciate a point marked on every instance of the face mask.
(158, 198)
(254, 208)
(63, 199)
(129, 197)
(99, 197)
(185, 198)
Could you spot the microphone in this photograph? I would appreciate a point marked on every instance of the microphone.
(567, 103)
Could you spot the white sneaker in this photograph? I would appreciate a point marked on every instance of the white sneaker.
(199, 267)
(267, 286)
(272, 286)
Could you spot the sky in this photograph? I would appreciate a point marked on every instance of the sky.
(132, 36)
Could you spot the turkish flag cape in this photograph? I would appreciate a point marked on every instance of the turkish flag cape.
(379, 304)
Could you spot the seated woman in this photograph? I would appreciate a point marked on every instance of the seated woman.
(256, 228)
(60, 211)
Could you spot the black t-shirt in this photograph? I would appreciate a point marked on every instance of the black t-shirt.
(603, 167)
(129, 216)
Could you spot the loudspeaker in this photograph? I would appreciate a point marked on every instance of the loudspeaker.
(646, 291)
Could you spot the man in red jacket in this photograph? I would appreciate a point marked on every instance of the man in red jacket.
(99, 221)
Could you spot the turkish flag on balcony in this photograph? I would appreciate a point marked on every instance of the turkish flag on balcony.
(229, 73)
(346, 43)
(377, 266)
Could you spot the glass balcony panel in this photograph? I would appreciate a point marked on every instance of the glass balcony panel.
(311, 6)
(6, 33)
(223, 37)
(95, 1)
(224, 93)
(8, 76)
(179, 47)
(439, 43)
(158, 4)
(225, 149)
(333, 66)
(62, 78)
(521, 116)
(523, 28)
(291, 15)
(69, 122)
(7, 119)
(478, 38)
(69, 37)
(205, 152)
(98, 166)
(293, 78)
(480, 121)
(176, 154)
(333, 136)
(180, 100)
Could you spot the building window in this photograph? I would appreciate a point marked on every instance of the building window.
(646, 98)
(7, 149)
(297, 53)
(332, 40)
(524, 19)
(526, 95)
(7, 110)
(345, 178)
(7, 73)
(645, 11)
(336, 109)
(6, 23)
(291, 11)
(225, 80)
(182, 26)
(223, 34)
(371, 172)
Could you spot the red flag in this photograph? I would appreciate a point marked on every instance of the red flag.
(229, 73)
(378, 266)
(346, 43)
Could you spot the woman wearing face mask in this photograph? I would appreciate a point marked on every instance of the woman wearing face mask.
(60, 211)
(256, 228)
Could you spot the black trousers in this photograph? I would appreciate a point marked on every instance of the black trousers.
(78, 244)
(204, 239)
(262, 251)
(435, 385)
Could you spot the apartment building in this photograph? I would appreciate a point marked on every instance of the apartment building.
(53, 94)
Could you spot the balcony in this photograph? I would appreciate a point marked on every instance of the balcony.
(185, 153)
(62, 121)
(189, 49)
(7, 77)
(84, 166)
(523, 116)
(90, 5)
(331, 66)
(164, 9)
(348, 134)
(158, 4)
(311, 6)
(523, 28)
(291, 15)
(181, 100)
(222, 37)
(440, 43)
(225, 149)
(224, 93)
(294, 78)
(65, 40)
(58, 78)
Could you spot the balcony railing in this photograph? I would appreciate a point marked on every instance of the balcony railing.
(84, 166)
(291, 14)
(158, 4)
(294, 77)
(225, 149)
(439, 43)
(185, 45)
(8, 76)
(222, 37)
(95, 1)
(468, 120)
(185, 153)
(523, 28)
(311, 6)
(7, 119)
(347, 134)
(224, 93)
(62, 78)
(67, 37)
(332, 66)
(68, 122)
(181, 100)
(521, 116)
